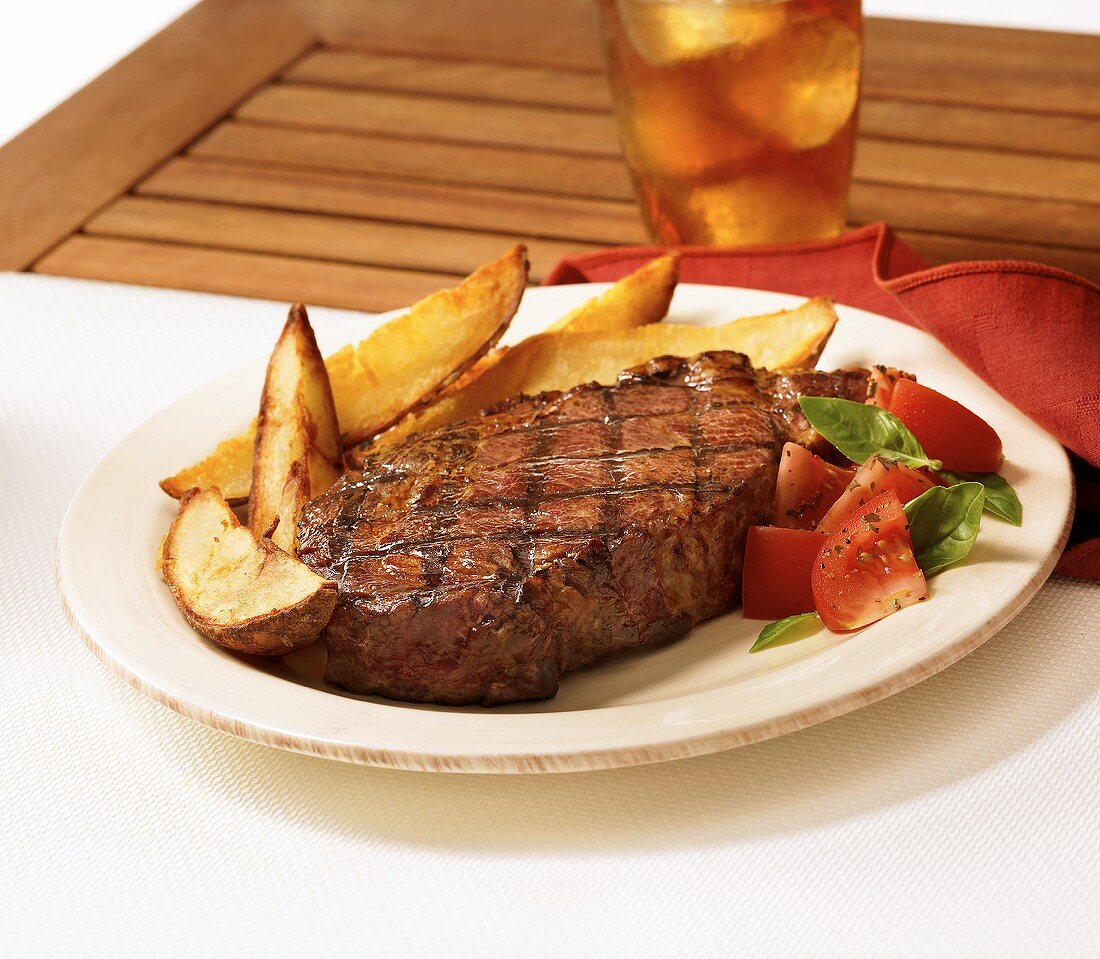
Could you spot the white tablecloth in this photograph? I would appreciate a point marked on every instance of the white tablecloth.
(960, 818)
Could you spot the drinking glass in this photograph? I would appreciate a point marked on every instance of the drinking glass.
(737, 117)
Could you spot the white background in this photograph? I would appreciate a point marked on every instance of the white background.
(50, 48)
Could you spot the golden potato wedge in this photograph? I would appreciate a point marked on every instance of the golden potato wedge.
(242, 592)
(558, 361)
(402, 364)
(297, 454)
(409, 360)
(229, 468)
(638, 299)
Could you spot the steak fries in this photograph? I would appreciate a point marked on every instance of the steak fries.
(400, 365)
(563, 359)
(297, 453)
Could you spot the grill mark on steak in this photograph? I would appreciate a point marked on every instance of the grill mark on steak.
(479, 562)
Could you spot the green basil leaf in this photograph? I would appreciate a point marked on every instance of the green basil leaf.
(943, 524)
(860, 430)
(785, 630)
(1000, 498)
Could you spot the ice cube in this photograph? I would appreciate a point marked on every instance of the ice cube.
(665, 32)
(774, 207)
(801, 86)
(673, 128)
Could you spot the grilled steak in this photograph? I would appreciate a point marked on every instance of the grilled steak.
(478, 562)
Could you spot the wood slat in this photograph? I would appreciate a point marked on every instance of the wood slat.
(472, 80)
(978, 171)
(973, 215)
(406, 201)
(459, 251)
(551, 173)
(912, 60)
(968, 126)
(984, 172)
(894, 118)
(944, 211)
(378, 113)
(340, 238)
(557, 33)
(242, 274)
(112, 132)
(982, 67)
(938, 248)
(433, 118)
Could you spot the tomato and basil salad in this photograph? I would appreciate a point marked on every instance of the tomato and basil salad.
(849, 544)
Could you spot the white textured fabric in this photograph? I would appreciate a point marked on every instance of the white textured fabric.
(959, 818)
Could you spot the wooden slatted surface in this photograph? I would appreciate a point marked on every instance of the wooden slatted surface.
(368, 177)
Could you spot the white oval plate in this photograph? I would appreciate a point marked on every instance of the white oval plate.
(701, 694)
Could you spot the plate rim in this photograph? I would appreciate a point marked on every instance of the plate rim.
(548, 758)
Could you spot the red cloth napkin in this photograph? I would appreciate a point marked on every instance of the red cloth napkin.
(1031, 331)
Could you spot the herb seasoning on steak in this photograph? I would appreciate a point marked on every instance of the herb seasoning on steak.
(480, 561)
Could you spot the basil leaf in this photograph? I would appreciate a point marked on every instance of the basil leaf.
(943, 524)
(1000, 498)
(860, 430)
(784, 630)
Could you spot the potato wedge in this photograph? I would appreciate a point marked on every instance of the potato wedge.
(640, 298)
(401, 365)
(409, 360)
(297, 453)
(243, 593)
(229, 467)
(558, 361)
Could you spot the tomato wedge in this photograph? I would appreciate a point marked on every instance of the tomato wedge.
(877, 475)
(866, 569)
(806, 487)
(777, 577)
(880, 387)
(947, 430)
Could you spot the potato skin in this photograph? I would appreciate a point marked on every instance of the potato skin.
(205, 520)
(275, 634)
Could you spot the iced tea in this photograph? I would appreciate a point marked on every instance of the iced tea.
(737, 117)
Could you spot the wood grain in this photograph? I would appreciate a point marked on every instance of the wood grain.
(243, 274)
(562, 33)
(1037, 133)
(942, 248)
(387, 198)
(988, 172)
(976, 215)
(337, 238)
(908, 60)
(978, 171)
(551, 173)
(434, 118)
(406, 201)
(107, 136)
(471, 80)
(982, 67)
(896, 118)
